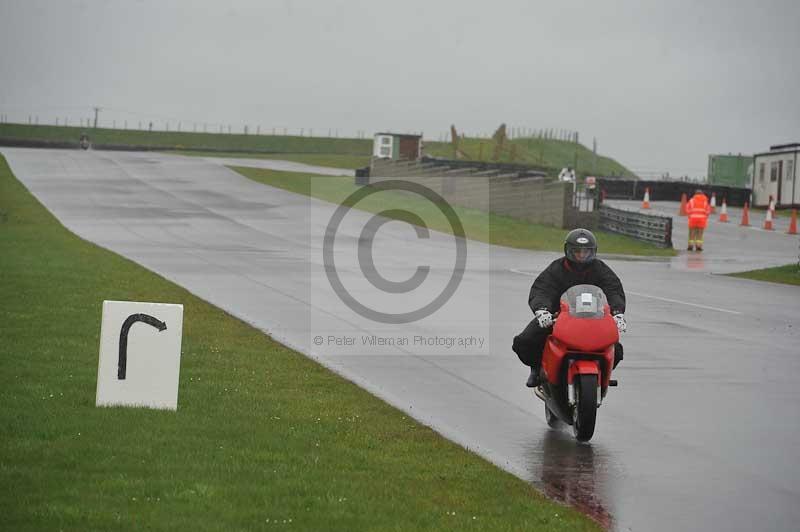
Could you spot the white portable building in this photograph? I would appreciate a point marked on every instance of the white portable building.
(775, 176)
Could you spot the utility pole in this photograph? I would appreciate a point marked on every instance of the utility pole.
(96, 112)
(594, 155)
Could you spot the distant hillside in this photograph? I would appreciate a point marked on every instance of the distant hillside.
(548, 154)
(173, 140)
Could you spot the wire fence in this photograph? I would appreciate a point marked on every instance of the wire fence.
(101, 120)
(98, 117)
(187, 127)
(566, 135)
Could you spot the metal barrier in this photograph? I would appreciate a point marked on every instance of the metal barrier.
(647, 227)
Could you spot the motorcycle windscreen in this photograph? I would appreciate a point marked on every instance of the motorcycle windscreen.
(585, 301)
(585, 323)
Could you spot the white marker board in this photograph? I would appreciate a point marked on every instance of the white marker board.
(140, 355)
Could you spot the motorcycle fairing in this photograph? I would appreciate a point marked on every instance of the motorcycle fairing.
(585, 334)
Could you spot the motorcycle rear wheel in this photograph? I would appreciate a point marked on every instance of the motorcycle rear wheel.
(585, 411)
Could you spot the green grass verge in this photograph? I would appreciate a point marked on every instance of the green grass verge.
(496, 229)
(263, 436)
(789, 274)
(334, 160)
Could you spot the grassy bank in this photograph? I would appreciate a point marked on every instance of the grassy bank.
(174, 140)
(263, 438)
(789, 274)
(549, 154)
(496, 229)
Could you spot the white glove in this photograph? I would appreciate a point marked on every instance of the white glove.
(620, 319)
(544, 317)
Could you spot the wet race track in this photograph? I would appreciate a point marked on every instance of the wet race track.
(702, 433)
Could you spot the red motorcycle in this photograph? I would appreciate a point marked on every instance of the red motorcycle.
(577, 360)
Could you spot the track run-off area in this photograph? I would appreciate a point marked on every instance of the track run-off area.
(701, 434)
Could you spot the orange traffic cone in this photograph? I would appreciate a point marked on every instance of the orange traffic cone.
(793, 224)
(683, 212)
(646, 202)
(713, 203)
(768, 221)
(745, 216)
(723, 213)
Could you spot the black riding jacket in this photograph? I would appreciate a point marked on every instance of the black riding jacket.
(561, 275)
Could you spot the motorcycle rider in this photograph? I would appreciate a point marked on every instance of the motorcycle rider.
(578, 266)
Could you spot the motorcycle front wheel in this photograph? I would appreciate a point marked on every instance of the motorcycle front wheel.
(584, 413)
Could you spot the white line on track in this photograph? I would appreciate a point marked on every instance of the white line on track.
(683, 302)
(668, 300)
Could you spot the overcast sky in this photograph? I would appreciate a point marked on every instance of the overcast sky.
(660, 84)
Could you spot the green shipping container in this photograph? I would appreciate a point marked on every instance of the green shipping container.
(729, 170)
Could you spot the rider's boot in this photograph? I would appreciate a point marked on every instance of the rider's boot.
(533, 378)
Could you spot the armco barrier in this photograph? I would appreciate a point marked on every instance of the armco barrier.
(650, 228)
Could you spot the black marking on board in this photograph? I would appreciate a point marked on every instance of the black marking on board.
(122, 364)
